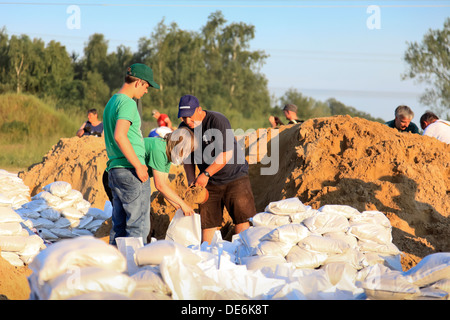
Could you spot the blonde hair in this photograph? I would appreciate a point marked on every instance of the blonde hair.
(180, 141)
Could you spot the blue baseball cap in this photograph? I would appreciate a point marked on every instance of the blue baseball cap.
(187, 106)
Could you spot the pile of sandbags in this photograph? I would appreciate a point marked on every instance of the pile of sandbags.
(290, 252)
(18, 245)
(81, 268)
(60, 212)
(13, 192)
(293, 233)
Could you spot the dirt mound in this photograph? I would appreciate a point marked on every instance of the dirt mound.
(78, 161)
(352, 161)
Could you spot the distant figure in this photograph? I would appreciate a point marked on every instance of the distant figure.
(92, 127)
(402, 121)
(162, 119)
(432, 126)
(290, 112)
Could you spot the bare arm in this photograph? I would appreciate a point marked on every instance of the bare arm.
(161, 183)
(120, 136)
(217, 165)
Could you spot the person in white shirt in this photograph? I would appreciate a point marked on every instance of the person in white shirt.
(434, 127)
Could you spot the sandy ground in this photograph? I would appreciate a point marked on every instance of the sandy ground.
(335, 160)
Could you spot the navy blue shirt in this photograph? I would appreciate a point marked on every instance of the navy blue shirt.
(217, 136)
(413, 128)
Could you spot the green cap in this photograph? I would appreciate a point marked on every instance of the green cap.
(143, 72)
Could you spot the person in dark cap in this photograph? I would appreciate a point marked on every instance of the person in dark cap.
(290, 112)
(223, 169)
(127, 172)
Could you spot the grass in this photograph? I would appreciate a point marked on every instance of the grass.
(29, 127)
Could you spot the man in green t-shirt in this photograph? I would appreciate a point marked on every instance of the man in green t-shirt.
(127, 172)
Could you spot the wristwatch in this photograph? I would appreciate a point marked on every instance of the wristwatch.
(207, 174)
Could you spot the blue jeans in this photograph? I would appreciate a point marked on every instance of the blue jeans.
(131, 204)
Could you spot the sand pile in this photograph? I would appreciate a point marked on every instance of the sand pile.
(78, 161)
(352, 161)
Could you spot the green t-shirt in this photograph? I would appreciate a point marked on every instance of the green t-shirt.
(155, 155)
(120, 106)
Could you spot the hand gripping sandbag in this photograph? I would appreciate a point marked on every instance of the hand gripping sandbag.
(185, 230)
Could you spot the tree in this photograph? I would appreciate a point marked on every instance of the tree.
(429, 62)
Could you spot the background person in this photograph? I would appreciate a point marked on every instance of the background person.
(432, 126)
(91, 127)
(402, 121)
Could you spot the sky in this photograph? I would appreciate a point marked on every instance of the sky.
(352, 51)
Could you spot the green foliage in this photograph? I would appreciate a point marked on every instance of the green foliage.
(429, 62)
(29, 127)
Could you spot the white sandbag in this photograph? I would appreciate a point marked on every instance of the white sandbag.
(149, 278)
(289, 233)
(303, 258)
(261, 262)
(51, 200)
(13, 258)
(42, 223)
(185, 230)
(50, 214)
(300, 216)
(344, 210)
(47, 234)
(381, 283)
(154, 252)
(5, 201)
(273, 248)
(36, 205)
(7, 214)
(27, 213)
(371, 232)
(286, 206)
(63, 232)
(86, 280)
(33, 245)
(73, 195)
(62, 223)
(370, 246)
(373, 217)
(82, 206)
(430, 269)
(94, 225)
(13, 243)
(252, 236)
(72, 213)
(77, 252)
(10, 229)
(58, 188)
(349, 239)
(352, 256)
(315, 242)
(443, 284)
(84, 221)
(340, 272)
(269, 219)
(324, 222)
(96, 213)
(81, 232)
(127, 247)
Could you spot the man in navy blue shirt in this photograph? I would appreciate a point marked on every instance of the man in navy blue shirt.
(222, 166)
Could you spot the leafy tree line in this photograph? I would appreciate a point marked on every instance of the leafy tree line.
(215, 64)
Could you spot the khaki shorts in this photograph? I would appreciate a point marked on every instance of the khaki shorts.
(236, 196)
